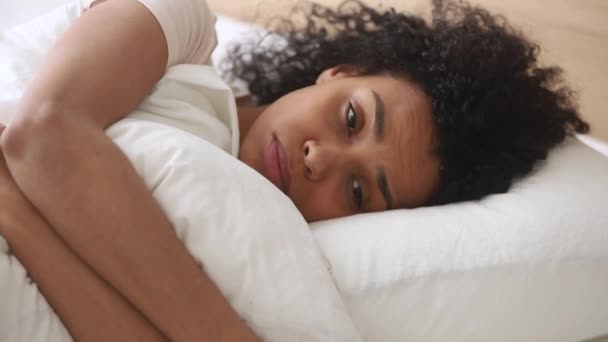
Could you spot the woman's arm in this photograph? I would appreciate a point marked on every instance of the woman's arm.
(89, 308)
(88, 191)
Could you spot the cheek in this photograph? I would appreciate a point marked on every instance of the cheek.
(318, 201)
(302, 122)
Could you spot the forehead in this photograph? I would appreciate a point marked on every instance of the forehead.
(411, 167)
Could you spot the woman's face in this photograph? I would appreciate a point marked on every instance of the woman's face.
(348, 144)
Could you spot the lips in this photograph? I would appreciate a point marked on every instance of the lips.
(277, 164)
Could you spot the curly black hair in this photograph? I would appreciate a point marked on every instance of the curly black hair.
(497, 111)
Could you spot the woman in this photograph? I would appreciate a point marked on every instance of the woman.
(361, 111)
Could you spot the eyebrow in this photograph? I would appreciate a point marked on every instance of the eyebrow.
(379, 136)
(383, 186)
(379, 118)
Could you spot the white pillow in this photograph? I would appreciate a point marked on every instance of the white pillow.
(528, 265)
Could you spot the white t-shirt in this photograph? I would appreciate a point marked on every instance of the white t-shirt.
(189, 27)
(192, 98)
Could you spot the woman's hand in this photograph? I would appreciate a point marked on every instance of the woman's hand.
(122, 238)
(89, 308)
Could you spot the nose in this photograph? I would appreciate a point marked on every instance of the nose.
(318, 160)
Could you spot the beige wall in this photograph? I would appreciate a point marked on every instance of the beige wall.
(572, 33)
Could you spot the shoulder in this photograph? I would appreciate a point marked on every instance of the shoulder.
(188, 26)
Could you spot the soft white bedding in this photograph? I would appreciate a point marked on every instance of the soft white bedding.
(529, 265)
(260, 253)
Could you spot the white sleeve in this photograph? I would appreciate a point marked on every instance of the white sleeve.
(189, 27)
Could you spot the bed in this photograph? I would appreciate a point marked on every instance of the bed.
(528, 265)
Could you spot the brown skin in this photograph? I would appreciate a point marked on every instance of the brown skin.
(66, 282)
(326, 163)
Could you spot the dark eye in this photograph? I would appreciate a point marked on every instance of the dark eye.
(357, 193)
(351, 118)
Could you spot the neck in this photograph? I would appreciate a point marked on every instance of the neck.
(247, 113)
